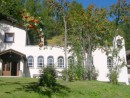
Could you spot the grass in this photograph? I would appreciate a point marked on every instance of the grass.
(56, 40)
(27, 88)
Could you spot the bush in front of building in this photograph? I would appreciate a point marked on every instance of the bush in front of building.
(48, 78)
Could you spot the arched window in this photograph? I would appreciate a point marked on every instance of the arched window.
(40, 61)
(70, 60)
(60, 62)
(119, 43)
(50, 61)
(30, 61)
(109, 62)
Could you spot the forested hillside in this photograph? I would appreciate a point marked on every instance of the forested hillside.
(52, 20)
(50, 12)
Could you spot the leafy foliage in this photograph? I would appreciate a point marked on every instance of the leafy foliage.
(48, 78)
(11, 8)
(70, 72)
(56, 40)
(117, 62)
(113, 76)
(78, 72)
(33, 24)
(120, 12)
(91, 30)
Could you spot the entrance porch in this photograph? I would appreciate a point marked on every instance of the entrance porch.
(12, 63)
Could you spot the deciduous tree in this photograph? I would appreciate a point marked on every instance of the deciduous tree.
(92, 29)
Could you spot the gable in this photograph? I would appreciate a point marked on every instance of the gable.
(12, 54)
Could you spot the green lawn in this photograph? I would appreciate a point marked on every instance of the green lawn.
(26, 88)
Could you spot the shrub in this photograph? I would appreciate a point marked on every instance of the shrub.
(70, 73)
(113, 76)
(48, 78)
(114, 72)
(78, 72)
(85, 74)
(64, 74)
(89, 74)
(94, 73)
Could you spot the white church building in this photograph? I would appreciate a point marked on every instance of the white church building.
(18, 58)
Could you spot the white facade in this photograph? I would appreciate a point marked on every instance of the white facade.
(19, 44)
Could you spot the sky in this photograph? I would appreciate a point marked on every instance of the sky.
(98, 3)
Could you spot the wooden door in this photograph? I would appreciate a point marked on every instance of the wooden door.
(6, 69)
(15, 68)
(18, 69)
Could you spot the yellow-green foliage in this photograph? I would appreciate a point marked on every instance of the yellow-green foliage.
(56, 40)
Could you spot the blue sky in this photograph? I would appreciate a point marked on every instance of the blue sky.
(98, 3)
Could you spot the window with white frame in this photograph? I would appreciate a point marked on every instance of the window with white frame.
(70, 60)
(30, 61)
(60, 62)
(109, 62)
(40, 61)
(50, 61)
(9, 37)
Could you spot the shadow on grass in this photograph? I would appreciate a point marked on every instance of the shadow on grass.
(58, 89)
(9, 83)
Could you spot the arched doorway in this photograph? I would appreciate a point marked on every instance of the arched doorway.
(11, 62)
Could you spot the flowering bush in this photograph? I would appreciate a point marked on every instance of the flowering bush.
(32, 23)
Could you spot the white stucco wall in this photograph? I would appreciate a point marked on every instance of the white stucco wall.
(45, 52)
(100, 63)
(99, 57)
(19, 36)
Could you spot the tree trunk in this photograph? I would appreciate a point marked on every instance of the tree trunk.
(65, 45)
(89, 59)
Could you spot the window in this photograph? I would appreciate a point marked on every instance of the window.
(70, 60)
(128, 70)
(60, 62)
(109, 62)
(50, 61)
(40, 61)
(119, 43)
(30, 61)
(9, 37)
